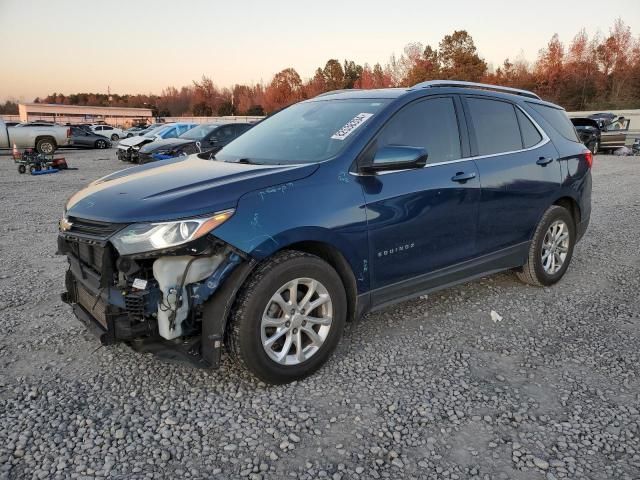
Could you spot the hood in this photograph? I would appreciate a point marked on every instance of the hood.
(164, 144)
(133, 141)
(175, 189)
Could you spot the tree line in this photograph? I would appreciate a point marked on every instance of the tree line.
(590, 73)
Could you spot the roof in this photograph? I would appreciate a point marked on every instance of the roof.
(392, 93)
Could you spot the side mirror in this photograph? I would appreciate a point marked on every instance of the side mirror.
(396, 157)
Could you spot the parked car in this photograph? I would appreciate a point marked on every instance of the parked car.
(129, 147)
(133, 131)
(44, 138)
(11, 124)
(330, 208)
(201, 139)
(589, 132)
(613, 130)
(81, 138)
(108, 131)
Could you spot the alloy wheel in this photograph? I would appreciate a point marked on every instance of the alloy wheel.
(296, 321)
(555, 247)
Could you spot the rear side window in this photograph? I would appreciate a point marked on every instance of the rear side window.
(530, 134)
(495, 126)
(558, 120)
(431, 124)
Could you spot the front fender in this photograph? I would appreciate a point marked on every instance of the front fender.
(326, 207)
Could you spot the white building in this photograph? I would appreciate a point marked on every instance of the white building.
(117, 116)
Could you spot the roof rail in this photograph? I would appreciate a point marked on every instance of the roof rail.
(482, 86)
(338, 91)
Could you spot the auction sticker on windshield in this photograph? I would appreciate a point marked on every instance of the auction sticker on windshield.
(351, 126)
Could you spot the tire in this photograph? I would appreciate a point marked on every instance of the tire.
(115, 137)
(246, 332)
(34, 168)
(22, 169)
(101, 144)
(537, 271)
(46, 146)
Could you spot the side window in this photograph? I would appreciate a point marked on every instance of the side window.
(431, 124)
(495, 125)
(226, 132)
(98, 129)
(530, 134)
(107, 128)
(558, 120)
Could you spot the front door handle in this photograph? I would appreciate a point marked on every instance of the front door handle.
(544, 161)
(462, 177)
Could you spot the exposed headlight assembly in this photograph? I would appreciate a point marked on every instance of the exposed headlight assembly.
(146, 237)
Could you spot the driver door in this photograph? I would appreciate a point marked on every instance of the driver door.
(423, 220)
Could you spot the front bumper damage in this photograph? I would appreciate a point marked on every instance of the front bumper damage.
(142, 301)
(127, 154)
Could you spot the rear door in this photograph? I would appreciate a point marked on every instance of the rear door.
(424, 219)
(519, 173)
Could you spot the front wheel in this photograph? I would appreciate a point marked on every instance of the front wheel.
(288, 317)
(115, 137)
(101, 144)
(551, 249)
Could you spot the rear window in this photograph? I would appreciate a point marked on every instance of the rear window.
(530, 134)
(495, 126)
(558, 119)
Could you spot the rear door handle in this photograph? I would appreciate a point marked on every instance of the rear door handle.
(462, 177)
(544, 161)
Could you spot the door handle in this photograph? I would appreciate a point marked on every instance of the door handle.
(462, 177)
(544, 161)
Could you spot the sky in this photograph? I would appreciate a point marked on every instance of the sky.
(143, 46)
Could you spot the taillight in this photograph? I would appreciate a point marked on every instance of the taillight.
(588, 156)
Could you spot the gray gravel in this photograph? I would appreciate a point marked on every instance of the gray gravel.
(436, 387)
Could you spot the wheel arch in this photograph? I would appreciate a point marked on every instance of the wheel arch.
(338, 262)
(572, 206)
(46, 137)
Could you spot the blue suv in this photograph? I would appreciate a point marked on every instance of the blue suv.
(331, 208)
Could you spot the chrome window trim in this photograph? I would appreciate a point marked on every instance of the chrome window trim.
(545, 139)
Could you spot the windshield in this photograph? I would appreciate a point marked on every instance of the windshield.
(154, 131)
(199, 132)
(306, 132)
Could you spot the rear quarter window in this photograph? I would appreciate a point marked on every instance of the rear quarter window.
(558, 119)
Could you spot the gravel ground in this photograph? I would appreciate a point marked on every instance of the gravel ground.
(430, 388)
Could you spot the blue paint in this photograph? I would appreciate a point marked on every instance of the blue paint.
(201, 292)
(422, 219)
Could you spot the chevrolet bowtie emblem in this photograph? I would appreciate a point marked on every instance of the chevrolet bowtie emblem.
(65, 224)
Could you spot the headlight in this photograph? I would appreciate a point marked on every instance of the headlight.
(145, 237)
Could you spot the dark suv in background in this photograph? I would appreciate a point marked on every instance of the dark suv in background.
(205, 138)
(333, 207)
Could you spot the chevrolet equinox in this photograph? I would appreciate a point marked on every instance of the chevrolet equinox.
(331, 208)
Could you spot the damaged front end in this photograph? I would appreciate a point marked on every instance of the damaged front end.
(172, 302)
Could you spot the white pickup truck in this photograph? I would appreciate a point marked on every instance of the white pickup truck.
(44, 138)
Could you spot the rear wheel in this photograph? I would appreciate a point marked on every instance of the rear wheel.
(551, 249)
(22, 169)
(45, 146)
(288, 318)
(34, 168)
